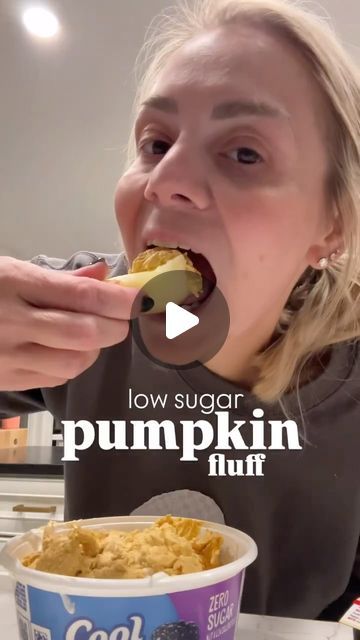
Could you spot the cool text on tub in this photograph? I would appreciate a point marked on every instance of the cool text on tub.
(133, 631)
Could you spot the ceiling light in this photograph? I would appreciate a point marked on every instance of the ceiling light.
(41, 22)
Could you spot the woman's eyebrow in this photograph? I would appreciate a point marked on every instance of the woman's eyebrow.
(223, 110)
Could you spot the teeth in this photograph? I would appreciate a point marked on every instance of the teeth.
(167, 245)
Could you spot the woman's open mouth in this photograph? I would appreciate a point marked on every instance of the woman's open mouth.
(201, 263)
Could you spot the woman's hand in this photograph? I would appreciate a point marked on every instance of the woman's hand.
(54, 323)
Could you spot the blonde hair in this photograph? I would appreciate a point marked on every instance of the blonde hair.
(323, 309)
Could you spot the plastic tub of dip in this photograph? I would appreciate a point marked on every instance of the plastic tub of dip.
(196, 606)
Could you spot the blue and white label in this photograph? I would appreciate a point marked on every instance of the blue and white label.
(198, 614)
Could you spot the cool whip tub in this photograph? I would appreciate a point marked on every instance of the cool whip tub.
(197, 606)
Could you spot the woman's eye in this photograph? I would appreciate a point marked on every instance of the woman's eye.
(245, 155)
(155, 147)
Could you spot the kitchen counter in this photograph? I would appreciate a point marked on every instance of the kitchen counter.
(38, 461)
(250, 627)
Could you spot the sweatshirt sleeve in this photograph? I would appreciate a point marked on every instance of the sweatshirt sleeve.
(16, 403)
(117, 263)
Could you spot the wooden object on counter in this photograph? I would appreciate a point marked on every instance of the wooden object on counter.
(11, 438)
(10, 423)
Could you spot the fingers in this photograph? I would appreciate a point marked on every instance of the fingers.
(52, 364)
(58, 290)
(20, 380)
(98, 271)
(74, 331)
(53, 325)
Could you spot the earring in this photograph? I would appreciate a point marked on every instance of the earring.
(323, 263)
(334, 255)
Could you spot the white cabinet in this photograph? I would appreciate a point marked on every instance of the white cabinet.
(27, 503)
(40, 429)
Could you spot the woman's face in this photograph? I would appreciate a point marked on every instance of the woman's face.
(232, 163)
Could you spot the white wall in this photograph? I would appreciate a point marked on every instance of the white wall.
(65, 112)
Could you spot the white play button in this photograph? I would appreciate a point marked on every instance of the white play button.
(178, 320)
(179, 336)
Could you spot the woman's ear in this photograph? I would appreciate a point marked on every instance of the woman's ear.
(330, 246)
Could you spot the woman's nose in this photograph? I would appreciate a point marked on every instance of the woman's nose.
(178, 180)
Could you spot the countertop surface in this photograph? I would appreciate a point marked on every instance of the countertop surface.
(250, 627)
(39, 461)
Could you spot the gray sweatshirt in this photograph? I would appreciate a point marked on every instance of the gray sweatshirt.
(304, 512)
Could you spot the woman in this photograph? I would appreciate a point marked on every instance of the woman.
(246, 147)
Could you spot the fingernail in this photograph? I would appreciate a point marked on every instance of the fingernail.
(146, 304)
(97, 260)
